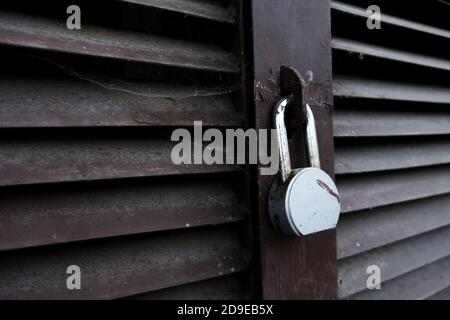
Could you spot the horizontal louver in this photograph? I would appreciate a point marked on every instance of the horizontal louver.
(85, 155)
(391, 123)
(28, 31)
(122, 267)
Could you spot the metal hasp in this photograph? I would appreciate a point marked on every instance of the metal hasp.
(303, 201)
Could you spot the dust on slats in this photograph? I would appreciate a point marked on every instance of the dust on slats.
(369, 156)
(224, 288)
(207, 9)
(58, 214)
(351, 87)
(416, 285)
(122, 267)
(388, 19)
(365, 191)
(59, 160)
(394, 260)
(41, 33)
(29, 102)
(389, 54)
(370, 229)
(385, 123)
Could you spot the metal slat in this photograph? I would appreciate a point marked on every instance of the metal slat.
(367, 191)
(350, 87)
(417, 285)
(379, 156)
(390, 54)
(207, 9)
(394, 260)
(46, 161)
(388, 19)
(122, 267)
(383, 123)
(367, 230)
(223, 288)
(33, 217)
(40, 33)
(442, 295)
(28, 103)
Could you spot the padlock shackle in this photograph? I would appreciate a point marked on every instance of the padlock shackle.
(312, 144)
(282, 139)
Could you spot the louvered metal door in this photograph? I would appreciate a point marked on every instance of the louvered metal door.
(85, 171)
(391, 122)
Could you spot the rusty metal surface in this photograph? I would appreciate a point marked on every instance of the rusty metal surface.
(207, 9)
(59, 214)
(366, 191)
(123, 266)
(370, 156)
(42, 33)
(366, 230)
(361, 122)
(395, 260)
(297, 34)
(71, 103)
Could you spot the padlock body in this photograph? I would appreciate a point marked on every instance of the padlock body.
(308, 202)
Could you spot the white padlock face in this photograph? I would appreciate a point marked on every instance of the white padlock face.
(312, 202)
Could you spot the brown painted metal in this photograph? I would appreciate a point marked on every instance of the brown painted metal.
(206, 9)
(46, 34)
(359, 192)
(353, 87)
(59, 214)
(366, 230)
(39, 103)
(396, 260)
(224, 288)
(370, 156)
(48, 161)
(361, 122)
(121, 267)
(420, 284)
(297, 34)
(162, 226)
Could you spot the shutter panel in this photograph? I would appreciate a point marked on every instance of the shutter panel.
(85, 168)
(392, 120)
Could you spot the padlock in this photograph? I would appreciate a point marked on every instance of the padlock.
(302, 201)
